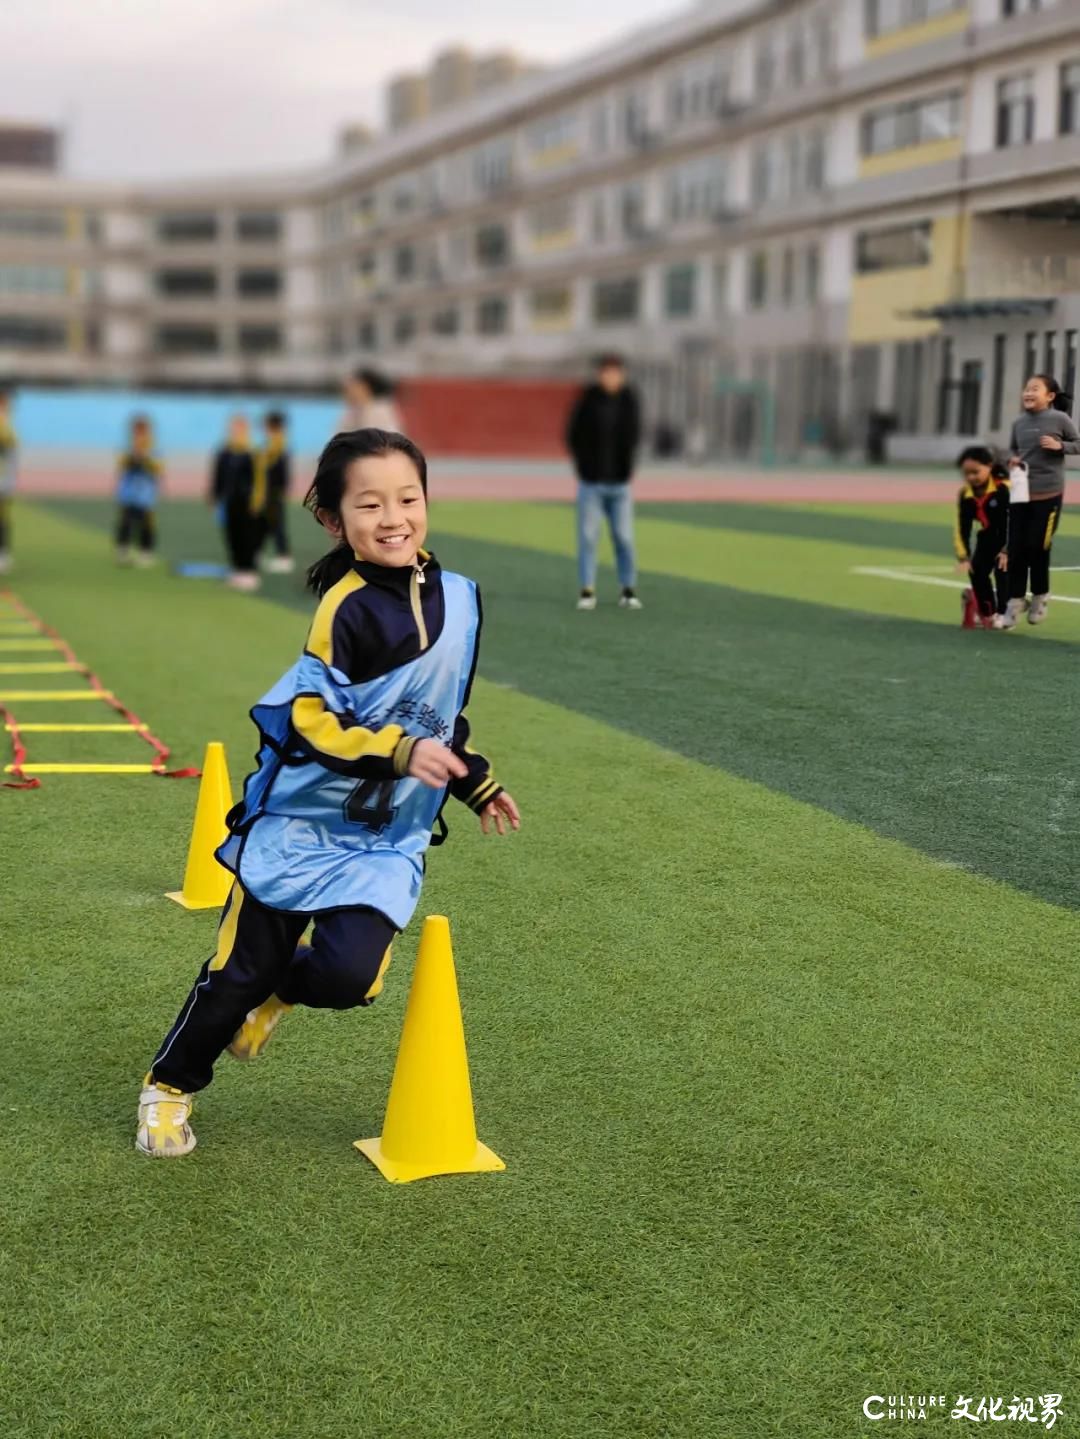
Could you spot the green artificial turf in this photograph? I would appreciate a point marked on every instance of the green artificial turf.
(771, 1007)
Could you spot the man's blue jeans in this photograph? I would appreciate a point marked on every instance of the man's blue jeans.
(594, 502)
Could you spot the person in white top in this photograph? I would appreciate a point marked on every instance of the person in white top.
(369, 403)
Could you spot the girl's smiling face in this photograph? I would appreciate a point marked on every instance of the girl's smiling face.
(383, 513)
(1037, 396)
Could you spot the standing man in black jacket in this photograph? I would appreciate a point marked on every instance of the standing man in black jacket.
(603, 437)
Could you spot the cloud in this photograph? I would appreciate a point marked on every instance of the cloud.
(219, 86)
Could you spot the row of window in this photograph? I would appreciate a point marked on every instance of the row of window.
(884, 16)
(1015, 123)
(191, 339)
(916, 122)
(783, 167)
(206, 226)
(788, 277)
(34, 280)
(176, 227)
(206, 283)
(784, 278)
(787, 58)
(788, 167)
(31, 332)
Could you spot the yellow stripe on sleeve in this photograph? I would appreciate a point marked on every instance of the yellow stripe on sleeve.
(483, 792)
(324, 732)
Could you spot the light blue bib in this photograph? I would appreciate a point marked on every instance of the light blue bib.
(309, 839)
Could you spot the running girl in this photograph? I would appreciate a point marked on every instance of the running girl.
(360, 742)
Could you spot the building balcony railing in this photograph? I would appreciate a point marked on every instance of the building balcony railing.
(1018, 277)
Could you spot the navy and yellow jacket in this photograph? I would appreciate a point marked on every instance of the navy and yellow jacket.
(270, 478)
(989, 510)
(395, 616)
(232, 482)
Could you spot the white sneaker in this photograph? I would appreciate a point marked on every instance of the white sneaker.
(5, 562)
(245, 580)
(144, 559)
(1037, 612)
(164, 1131)
(1008, 620)
(586, 600)
(629, 601)
(280, 565)
(123, 555)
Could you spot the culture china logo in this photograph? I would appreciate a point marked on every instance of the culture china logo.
(1045, 1409)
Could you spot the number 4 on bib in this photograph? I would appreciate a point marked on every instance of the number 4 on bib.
(369, 805)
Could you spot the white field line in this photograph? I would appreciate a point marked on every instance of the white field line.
(1063, 807)
(911, 578)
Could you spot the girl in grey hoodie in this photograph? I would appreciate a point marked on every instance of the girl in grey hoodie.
(1041, 438)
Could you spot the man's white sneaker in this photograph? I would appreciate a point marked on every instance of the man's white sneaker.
(586, 600)
(280, 565)
(629, 601)
(1039, 606)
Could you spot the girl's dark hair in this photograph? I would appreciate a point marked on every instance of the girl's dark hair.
(1061, 400)
(328, 489)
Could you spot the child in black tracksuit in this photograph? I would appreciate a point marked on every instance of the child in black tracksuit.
(983, 506)
(272, 477)
(232, 490)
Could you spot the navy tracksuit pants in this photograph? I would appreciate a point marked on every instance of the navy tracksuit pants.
(259, 954)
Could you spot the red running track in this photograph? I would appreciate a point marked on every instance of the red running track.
(487, 480)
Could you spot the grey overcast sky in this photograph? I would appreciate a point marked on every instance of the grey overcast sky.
(163, 88)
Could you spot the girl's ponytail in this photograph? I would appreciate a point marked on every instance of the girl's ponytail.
(328, 489)
(1061, 400)
(325, 573)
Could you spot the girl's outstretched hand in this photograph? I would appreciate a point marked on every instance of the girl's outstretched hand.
(434, 765)
(502, 811)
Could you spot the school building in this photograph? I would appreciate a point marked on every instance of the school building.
(791, 214)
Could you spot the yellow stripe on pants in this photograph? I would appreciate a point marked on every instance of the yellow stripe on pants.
(226, 938)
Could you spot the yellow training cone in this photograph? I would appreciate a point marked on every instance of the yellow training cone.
(207, 883)
(429, 1126)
